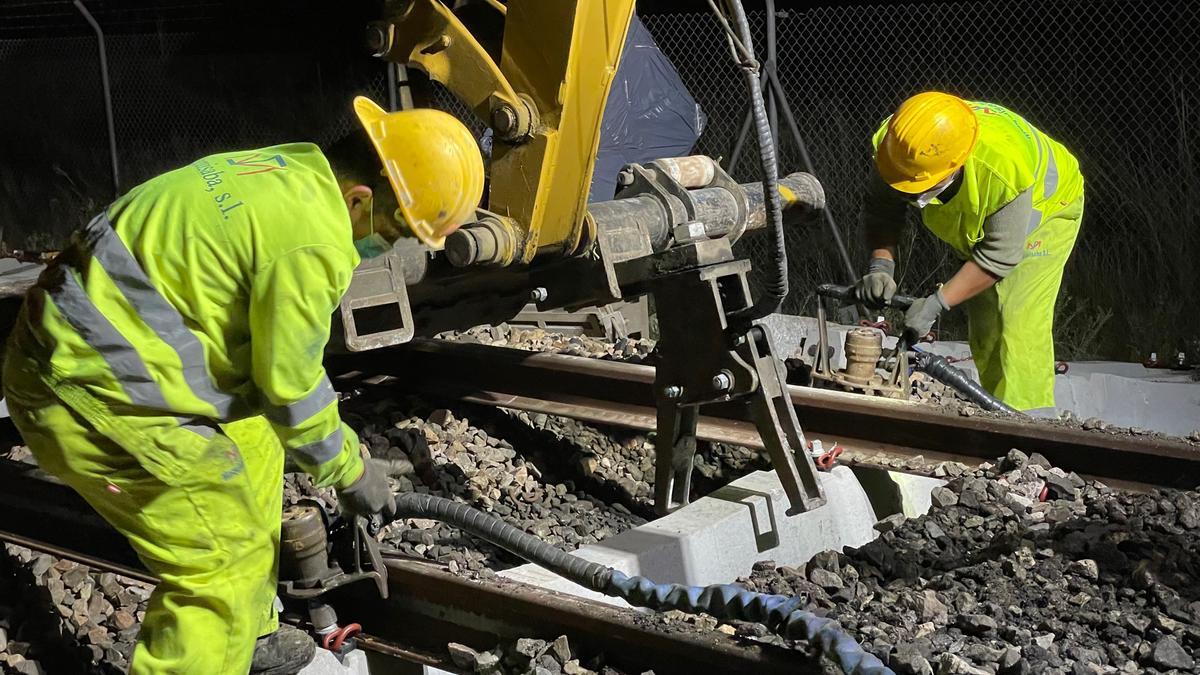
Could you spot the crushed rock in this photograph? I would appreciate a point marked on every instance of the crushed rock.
(531, 656)
(996, 581)
(434, 451)
(61, 616)
(631, 350)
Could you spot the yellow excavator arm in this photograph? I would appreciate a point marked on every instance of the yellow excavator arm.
(544, 100)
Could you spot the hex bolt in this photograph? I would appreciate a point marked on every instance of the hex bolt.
(439, 44)
(722, 381)
(688, 232)
(672, 391)
(504, 121)
(539, 294)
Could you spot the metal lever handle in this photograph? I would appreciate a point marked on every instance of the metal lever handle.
(848, 295)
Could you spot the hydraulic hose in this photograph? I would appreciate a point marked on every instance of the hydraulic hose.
(495, 531)
(940, 368)
(782, 614)
(743, 42)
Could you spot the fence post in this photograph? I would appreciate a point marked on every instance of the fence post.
(108, 110)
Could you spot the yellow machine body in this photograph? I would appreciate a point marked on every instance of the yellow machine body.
(545, 101)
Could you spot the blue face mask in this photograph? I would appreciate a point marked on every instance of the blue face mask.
(373, 244)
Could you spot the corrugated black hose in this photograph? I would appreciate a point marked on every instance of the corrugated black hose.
(938, 367)
(782, 614)
(742, 45)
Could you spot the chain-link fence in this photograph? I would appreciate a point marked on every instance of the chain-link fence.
(1115, 81)
(175, 97)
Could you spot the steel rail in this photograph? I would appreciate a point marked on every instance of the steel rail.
(872, 430)
(428, 606)
(476, 613)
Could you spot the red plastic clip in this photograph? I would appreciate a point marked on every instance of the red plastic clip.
(336, 639)
(829, 458)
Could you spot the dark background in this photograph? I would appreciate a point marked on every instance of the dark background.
(1116, 81)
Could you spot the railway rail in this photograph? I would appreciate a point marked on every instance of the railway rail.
(873, 431)
(429, 606)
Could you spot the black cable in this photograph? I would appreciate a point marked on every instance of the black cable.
(743, 42)
(938, 367)
(588, 574)
(783, 614)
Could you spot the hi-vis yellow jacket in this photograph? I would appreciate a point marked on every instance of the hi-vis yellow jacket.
(205, 294)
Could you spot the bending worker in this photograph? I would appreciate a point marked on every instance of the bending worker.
(167, 359)
(1008, 199)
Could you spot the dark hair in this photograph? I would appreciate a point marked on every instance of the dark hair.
(354, 158)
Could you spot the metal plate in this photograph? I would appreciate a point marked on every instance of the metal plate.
(375, 310)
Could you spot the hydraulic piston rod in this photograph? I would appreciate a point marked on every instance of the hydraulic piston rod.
(715, 207)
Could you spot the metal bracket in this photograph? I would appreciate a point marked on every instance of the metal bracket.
(701, 362)
(353, 556)
(722, 179)
(650, 180)
(375, 310)
(895, 385)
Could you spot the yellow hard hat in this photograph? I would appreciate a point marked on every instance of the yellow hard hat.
(433, 164)
(930, 137)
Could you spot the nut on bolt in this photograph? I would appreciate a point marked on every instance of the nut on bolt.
(722, 381)
(672, 391)
(689, 232)
(539, 294)
(505, 120)
(379, 37)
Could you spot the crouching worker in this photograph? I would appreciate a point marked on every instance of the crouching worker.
(166, 361)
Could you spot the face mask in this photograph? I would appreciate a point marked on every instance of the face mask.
(374, 243)
(926, 198)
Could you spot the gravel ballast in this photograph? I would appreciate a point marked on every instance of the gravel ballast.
(995, 580)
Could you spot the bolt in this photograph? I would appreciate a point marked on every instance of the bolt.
(539, 294)
(688, 232)
(722, 381)
(379, 37)
(625, 177)
(504, 121)
(440, 44)
(672, 391)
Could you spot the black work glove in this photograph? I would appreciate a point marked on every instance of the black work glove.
(921, 316)
(878, 285)
(370, 494)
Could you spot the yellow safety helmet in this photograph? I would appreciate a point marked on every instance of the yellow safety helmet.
(433, 164)
(930, 137)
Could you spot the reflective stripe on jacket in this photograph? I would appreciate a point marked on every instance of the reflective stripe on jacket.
(206, 293)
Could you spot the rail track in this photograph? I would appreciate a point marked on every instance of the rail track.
(428, 606)
(38, 512)
(873, 431)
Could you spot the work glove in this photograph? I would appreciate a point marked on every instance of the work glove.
(878, 285)
(922, 314)
(369, 495)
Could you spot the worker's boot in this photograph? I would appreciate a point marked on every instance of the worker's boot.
(283, 652)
